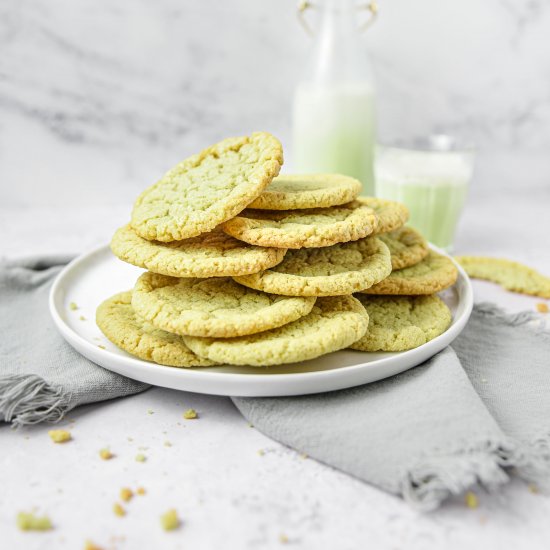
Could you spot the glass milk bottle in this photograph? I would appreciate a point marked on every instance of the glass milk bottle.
(333, 115)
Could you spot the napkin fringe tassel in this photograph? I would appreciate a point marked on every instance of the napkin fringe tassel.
(515, 319)
(29, 399)
(428, 484)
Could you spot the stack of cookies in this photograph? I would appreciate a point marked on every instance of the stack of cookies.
(246, 267)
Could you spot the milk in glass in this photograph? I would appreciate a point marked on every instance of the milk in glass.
(432, 184)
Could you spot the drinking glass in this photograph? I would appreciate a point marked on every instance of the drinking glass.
(431, 177)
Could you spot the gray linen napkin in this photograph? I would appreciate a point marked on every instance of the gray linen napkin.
(439, 428)
(41, 376)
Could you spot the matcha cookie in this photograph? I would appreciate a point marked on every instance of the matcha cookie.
(118, 321)
(391, 215)
(213, 254)
(330, 271)
(212, 307)
(511, 275)
(398, 323)
(311, 228)
(289, 192)
(433, 274)
(334, 323)
(208, 188)
(407, 247)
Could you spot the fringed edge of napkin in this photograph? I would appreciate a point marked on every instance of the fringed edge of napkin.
(526, 318)
(431, 482)
(28, 399)
(428, 484)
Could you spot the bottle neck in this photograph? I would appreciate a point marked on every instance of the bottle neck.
(339, 56)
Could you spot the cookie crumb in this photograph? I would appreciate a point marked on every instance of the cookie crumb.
(101, 347)
(73, 306)
(89, 545)
(119, 510)
(283, 539)
(250, 425)
(542, 307)
(126, 494)
(150, 411)
(140, 491)
(27, 521)
(105, 454)
(167, 444)
(532, 488)
(130, 439)
(170, 520)
(261, 452)
(470, 499)
(190, 414)
(304, 455)
(140, 457)
(59, 436)
(82, 318)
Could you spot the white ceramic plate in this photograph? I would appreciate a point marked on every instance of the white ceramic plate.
(96, 275)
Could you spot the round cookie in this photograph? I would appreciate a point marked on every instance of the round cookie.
(118, 321)
(334, 323)
(433, 274)
(212, 307)
(311, 228)
(407, 246)
(289, 192)
(208, 188)
(330, 271)
(398, 323)
(391, 214)
(213, 254)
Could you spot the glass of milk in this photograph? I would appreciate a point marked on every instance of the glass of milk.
(431, 176)
(333, 112)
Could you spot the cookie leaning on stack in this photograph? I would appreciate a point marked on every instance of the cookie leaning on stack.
(245, 267)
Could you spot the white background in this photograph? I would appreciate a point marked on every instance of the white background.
(98, 98)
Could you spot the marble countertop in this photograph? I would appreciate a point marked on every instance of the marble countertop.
(228, 494)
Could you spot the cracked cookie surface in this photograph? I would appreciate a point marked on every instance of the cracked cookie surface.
(407, 247)
(399, 323)
(433, 274)
(208, 188)
(329, 271)
(292, 191)
(212, 307)
(334, 323)
(118, 321)
(391, 214)
(310, 228)
(510, 275)
(213, 254)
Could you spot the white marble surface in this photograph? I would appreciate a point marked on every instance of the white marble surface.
(99, 98)
(96, 94)
(227, 494)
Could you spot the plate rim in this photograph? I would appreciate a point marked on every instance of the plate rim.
(148, 369)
